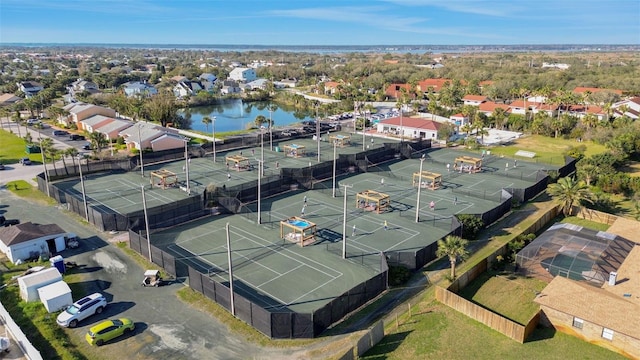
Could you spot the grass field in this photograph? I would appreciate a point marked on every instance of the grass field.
(585, 223)
(436, 331)
(505, 294)
(546, 148)
(13, 148)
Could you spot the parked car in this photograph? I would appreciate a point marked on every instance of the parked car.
(86, 146)
(25, 161)
(2, 166)
(286, 133)
(82, 309)
(31, 122)
(108, 330)
(60, 132)
(76, 137)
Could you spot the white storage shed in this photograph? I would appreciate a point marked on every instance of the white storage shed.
(29, 284)
(55, 296)
(28, 240)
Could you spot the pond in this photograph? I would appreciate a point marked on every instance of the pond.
(238, 115)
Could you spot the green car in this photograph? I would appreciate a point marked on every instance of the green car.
(108, 330)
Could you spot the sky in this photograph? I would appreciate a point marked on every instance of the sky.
(321, 22)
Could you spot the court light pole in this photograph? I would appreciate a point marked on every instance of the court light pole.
(318, 131)
(364, 126)
(146, 221)
(261, 169)
(44, 165)
(344, 222)
(213, 134)
(419, 188)
(335, 145)
(260, 165)
(270, 108)
(186, 166)
(233, 308)
(84, 194)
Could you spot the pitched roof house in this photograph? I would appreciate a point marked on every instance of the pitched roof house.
(139, 88)
(395, 90)
(414, 128)
(82, 111)
(187, 88)
(474, 100)
(488, 107)
(145, 135)
(8, 99)
(30, 88)
(28, 240)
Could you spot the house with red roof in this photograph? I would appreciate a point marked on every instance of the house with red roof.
(474, 100)
(331, 87)
(395, 90)
(433, 85)
(412, 128)
(489, 107)
(459, 119)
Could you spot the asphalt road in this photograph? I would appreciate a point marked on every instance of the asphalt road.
(166, 328)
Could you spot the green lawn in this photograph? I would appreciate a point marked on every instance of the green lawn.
(439, 332)
(13, 148)
(548, 150)
(506, 294)
(585, 223)
(26, 190)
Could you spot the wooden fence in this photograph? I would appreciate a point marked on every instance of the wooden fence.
(495, 321)
(510, 328)
(595, 215)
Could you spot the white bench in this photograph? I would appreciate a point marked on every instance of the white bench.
(527, 154)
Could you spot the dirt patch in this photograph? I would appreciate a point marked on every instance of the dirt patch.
(632, 169)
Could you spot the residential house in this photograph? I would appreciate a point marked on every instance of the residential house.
(581, 110)
(8, 99)
(474, 100)
(243, 74)
(258, 84)
(519, 106)
(145, 135)
(549, 109)
(30, 88)
(331, 87)
(629, 108)
(433, 85)
(593, 314)
(137, 88)
(28, 240)
(291, 83)
(81, 111)
(179, 78)
(81, 85)
(230, 87)
(394, 91)
(92, 123)
(187, 88)
(489, 107)
(111, 130)
(414, 128)
(208, 81)
(555, 65)
(459, 119)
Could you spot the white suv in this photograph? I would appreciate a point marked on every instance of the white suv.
(82, 309)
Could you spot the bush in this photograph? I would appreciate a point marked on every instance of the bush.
(398, 275)
(471, 225)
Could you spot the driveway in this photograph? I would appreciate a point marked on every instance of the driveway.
(166, 328)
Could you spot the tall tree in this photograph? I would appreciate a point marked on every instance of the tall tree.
(455, 248)
(98, 141)
(569, 192)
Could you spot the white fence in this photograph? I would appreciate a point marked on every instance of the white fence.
(18, 336)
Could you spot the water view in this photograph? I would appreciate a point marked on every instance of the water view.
(238, 115)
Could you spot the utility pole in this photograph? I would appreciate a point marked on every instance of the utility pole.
(335, 145)
(213, 120)
(186, 166)
(260, 165)
(344, 222)
(318, 131)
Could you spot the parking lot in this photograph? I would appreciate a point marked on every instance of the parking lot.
(165, 327)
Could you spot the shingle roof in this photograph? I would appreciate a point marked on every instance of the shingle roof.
(415, 123)
(592, 304)
(16, 234)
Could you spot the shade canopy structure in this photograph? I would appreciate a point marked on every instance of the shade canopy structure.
(295, 150)
(428, 180)
(238, 162)
(469, 163)
(371, 200)
(574, 252)
(340, 140)
(164, 177)
(298, 230)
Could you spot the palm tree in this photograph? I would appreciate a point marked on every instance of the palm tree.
(17, 118)
(260, 119)
(568, 192)
(98, 141)
(72, 153)
(455, 248)
(206, 121)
